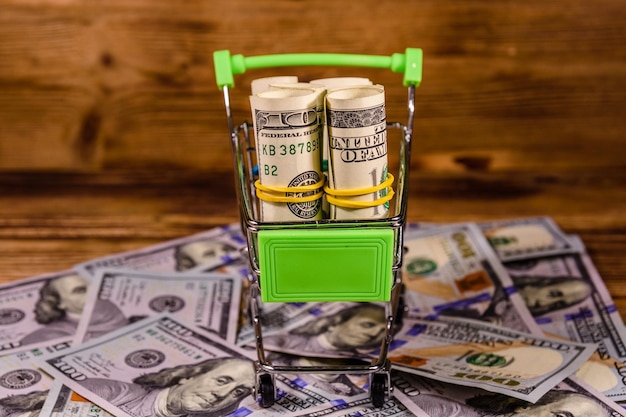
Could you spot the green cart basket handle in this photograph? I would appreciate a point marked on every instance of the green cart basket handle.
(226, 65)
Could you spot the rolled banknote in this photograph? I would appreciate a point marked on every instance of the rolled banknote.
(527, 237)
(194, 253)
(359, 186)
(571, 398)
(41, 309)
(329, 83)
(260, 85)
(119, 297)
(497, 359)
(162, 366)
(452, 270)
(334, 82)
(288, 132)
(23, 386)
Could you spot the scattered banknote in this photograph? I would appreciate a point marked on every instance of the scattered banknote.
(41, 309)
(569, 398)
(362, 407)
(494, 358)
(23, 386)
(119, 297)
(527, 237)
(568, 298)
(63, 402)
(276, 317)
(357, 152)
(163, 366)
(195, 253)
(337, 329)
(452, 270)
(343, 385)
(287, 133)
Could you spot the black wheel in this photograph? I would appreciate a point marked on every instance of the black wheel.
(401, 309)
(378, 390)
(266, 389)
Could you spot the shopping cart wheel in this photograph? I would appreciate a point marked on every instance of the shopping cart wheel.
(378, 390)
(266, 389)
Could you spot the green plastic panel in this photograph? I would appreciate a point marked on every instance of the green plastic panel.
(299, 265)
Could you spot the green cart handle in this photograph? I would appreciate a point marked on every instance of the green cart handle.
(226, 65)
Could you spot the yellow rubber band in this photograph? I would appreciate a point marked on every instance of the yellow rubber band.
(356, 192)
(360, 191)
(342, 202)
(298, 189)
(288, 199)
(268, 193)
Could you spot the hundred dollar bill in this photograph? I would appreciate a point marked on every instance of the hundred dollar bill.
(120, 297)
(568, 298)
(275, 317)
(571, 398)
(338, 329)
(260, 85)
(162, 366)
(40, 309)
(452, 270)
(527, 237)
(23, 386)
(494, 358)
(338, 384)
(194, 253)
(334, 388)
(329, 83)
(362, 407)
(63, 402)
(287, 132)
(357, 152)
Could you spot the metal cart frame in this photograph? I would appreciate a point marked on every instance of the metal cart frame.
(390, 228)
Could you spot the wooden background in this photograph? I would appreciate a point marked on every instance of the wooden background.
(113, 134)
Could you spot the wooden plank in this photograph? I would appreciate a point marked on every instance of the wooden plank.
(519, 86)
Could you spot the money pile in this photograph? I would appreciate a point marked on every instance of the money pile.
(501, 318)
(301, 127)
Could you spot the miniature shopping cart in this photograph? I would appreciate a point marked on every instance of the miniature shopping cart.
(281, 252)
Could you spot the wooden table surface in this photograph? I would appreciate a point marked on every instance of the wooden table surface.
(51, 222)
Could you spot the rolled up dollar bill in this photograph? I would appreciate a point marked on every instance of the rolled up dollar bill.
(320, 104)
(263, 84)
(335, 82)
(287, 132)
(359, 186)
(329, 83)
